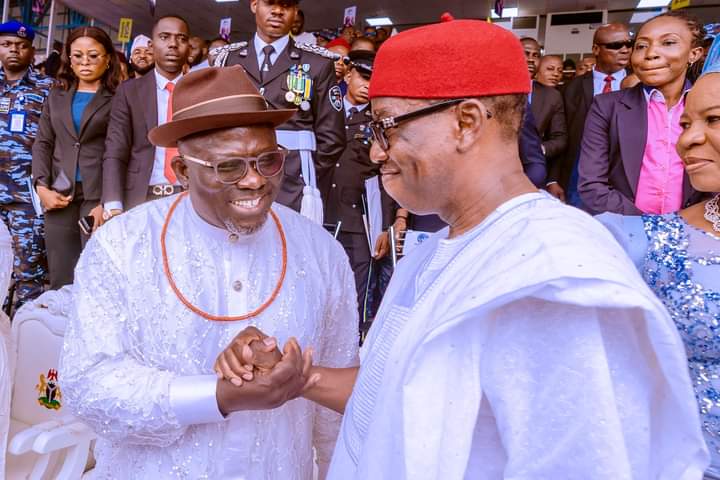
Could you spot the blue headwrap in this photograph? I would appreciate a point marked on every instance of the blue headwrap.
(712, 61)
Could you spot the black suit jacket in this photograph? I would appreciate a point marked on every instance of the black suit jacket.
(530, 146)
(577, 97)
(549, 112)
(129, 155)
(58, 147)
(347, 181)
(326, 121)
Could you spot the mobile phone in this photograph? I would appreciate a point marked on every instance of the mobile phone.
(86, 224)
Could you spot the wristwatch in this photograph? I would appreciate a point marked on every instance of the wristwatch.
(107, 215)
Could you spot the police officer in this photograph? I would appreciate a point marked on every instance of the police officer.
(346, 200)
(23, 94)
(302, 78)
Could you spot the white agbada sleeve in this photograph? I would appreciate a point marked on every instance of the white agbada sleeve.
(341, 325)
(574, 393)
(105, 382)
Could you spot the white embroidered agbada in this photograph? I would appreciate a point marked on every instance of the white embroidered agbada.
(137, 364)
(527, 348)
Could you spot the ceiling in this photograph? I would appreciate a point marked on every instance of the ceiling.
(204, 15)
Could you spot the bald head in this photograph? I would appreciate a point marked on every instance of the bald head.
(611, 48)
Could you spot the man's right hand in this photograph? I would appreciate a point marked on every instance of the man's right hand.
(556, 191)
(52, 200)
(288, 379)
(250, 351)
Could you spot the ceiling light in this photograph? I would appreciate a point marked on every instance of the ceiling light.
(379, 21)
(652, 3)
(506, 13)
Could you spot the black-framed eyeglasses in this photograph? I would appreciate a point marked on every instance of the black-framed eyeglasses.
(618, 45)
(232, 170)
(379, 127)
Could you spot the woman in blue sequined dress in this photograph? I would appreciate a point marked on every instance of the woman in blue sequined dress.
(679, 254)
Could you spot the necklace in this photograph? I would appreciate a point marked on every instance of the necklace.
(712, 212)
(196, 310)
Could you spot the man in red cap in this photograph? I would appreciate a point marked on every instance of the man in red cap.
(519, 342)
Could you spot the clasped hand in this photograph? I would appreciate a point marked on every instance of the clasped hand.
(255, 375)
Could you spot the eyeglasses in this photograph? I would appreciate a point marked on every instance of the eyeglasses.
(379, 127)
(233, 170)
(92, 58)
(618, 45)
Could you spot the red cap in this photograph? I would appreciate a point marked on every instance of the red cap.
(452, 59)
(338, 41)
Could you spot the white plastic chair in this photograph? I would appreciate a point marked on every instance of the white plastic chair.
(45, 442)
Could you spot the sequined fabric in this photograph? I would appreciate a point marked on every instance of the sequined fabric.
(682, 266)
(130, 337)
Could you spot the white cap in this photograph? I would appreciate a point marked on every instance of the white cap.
(140, 41)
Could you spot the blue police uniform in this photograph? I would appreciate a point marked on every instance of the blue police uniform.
(21, 105)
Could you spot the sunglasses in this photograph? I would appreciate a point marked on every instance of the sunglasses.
(618, 45)
(379, 127)
(233, 170)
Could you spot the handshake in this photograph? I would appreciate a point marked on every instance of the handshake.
(254, 375)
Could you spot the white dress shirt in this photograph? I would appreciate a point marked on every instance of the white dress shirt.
(349, 105)
(157, 177)
(137, 365)
(278, 44)
(599, 80)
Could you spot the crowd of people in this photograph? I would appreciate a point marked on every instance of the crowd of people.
(229, 214)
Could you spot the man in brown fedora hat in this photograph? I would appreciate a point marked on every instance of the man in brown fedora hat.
(162, 289)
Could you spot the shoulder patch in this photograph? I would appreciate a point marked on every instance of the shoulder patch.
(336, 98)
(222, 53)
(323, 52)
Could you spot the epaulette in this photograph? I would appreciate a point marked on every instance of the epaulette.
(221, 53)
(323, 52)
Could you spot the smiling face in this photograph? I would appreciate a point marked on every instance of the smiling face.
(414, 168)
(274, 18)
(142, 59)
(244, 205)
(699, 143)
(662, 52)
(585, 65)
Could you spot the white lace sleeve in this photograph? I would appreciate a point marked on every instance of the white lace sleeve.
(105, 381)
(339, 349)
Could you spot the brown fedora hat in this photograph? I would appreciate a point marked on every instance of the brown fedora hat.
(212, 98)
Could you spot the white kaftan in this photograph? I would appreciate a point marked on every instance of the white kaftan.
(527, 348)
(137, 364)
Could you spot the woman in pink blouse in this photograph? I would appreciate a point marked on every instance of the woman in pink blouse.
(628, 162)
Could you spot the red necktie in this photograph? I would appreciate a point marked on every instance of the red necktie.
(170, 152)
(608, 84)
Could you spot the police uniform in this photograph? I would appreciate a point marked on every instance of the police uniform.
(302, 78)
(21, 105)
(345, 200)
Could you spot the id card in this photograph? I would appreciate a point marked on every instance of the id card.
(16, 122)
(4, 105)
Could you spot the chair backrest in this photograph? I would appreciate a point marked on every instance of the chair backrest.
(6, 348)
(37, 331)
